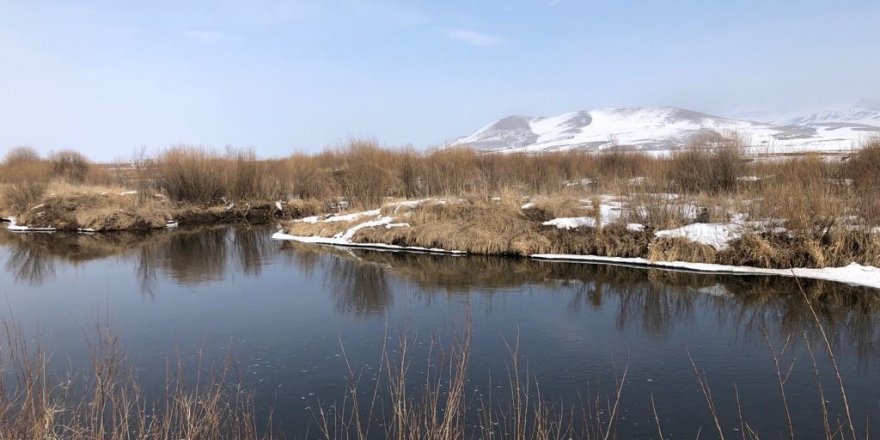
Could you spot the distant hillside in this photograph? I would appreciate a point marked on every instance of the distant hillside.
(662, 129)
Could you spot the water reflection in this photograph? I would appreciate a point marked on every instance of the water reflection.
(362, 289)
(186, 256)
(651, 300)
(29, 267)
(363, 283)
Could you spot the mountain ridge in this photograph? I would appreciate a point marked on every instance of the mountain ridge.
(666, 128)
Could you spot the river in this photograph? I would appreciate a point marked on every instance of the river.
(291, 315)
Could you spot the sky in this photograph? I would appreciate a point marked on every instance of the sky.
(108, 77)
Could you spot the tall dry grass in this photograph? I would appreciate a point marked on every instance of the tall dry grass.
(713, 174)
(27, 177)
(864, 170)
(708, 165)
(442, 403)
(107, 401)
(70, 165)
(191, 174)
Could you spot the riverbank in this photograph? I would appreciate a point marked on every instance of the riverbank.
(109, 209)
(600, 231)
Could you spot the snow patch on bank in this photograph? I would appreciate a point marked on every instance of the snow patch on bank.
(854, 274)
(571, 222)
(349, 234)
(716, 235)
(340, 218)
(339, 241)
(15, 227)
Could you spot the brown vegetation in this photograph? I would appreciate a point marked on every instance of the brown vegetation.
(712, 165)
(109, 403)
(70, 165)
(808, 195)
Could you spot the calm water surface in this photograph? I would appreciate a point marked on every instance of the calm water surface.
(285, 311)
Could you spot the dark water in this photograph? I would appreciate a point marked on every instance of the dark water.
(285, 311)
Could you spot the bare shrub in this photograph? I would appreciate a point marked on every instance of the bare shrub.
(364, 177)
(803, 196)
(619, 162)
(20, 155)
(143, 170)
(305, 177)
(245, 174)
(452, 171)
(708, 164)
(20, 197)
(410, 173)
(192, 174)
(27, 177)
(70, 165)
(864, 170)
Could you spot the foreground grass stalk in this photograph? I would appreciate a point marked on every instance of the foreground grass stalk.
(107, 402)
(830, 350)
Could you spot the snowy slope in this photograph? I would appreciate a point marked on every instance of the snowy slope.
(863, 113)
(656, 129)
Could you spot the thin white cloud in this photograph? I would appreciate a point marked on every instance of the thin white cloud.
(209, 36)
(473, 38)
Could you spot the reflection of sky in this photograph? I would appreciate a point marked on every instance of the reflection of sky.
(283, 312)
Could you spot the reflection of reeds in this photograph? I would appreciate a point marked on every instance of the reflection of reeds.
(251, 248)
(187, 255)
(654, 299)
(359, 288)
(28, 266)
(108, 403)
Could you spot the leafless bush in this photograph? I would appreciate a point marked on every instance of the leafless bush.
(192, 174)
(364, 176)
(864, 170)
(27, 177)
(711, 165)
(19, 155)
(245, 174)
(70, 165)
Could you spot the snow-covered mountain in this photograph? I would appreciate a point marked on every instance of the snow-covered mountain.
(864, 113)
(660, 129)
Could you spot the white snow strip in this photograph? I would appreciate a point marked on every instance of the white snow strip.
(128, 193)
(350, 217)
(347, 235)
(571, 222)
(635, 227)
(346, 243)
(854, 274)
(529, 205)
(15, 227)
(371, 213)
(339, 218)
(713, 234)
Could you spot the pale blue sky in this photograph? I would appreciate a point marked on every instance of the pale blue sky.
(106, 76)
